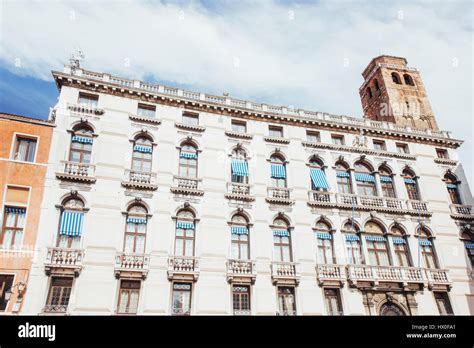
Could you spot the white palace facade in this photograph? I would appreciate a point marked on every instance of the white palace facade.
(163, 201)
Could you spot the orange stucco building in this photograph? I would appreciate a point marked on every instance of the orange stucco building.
(24, 152)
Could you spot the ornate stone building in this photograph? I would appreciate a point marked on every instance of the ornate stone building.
(166, 201)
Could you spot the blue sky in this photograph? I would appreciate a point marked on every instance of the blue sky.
(299, 53)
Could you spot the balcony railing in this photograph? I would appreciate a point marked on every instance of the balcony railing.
(461, 209)
(321, 198)
(241, 269)
(287, 312)
(285, 272)
(239, 191)
(180, 311)
(130, 262)
(437, 276)
(62, 258)
(183, 267)
(140, 180)
(186, 185)
(279, 195)
(329, 273)
(60, 309)
(242, 312)
(75, 171)
(85, 109)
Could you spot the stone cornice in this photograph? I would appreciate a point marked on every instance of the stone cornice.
(105, 83)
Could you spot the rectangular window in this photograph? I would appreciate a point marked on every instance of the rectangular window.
(379, 145)
(444, 305)
(402, 148)
(88, 100)
(59, 294)
(276, 132)
(325, 254)
(6, 282)
(239, 127)
(190, 119)
(337, 139)
(25, 149)
(241, 299)
(401, 254)
(181, 299)
(333, 301)
(128, 297)
(313, 136)
(286, 300)
(378, 253)
(146, 110)
(442, 153)
(354, 251)
(12, 228)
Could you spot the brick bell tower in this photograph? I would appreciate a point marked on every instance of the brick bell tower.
(394, 92)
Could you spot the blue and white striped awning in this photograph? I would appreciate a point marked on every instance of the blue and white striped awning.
(321, 235)
(318, 177)
(184, 225)
(278, 171)
(410, 181)
(425, 242)
(352, 237)
(375, 238)
(469, 245)
(281, 233)
(240, 168)
(239, 230)
(144, 149)
(385, 178)
(364, 177)
(71, 223)
(340, 174)
(399, 241)
(189, 155)
(84, 140)
(136, 220)
(15, 210)
(452, 186)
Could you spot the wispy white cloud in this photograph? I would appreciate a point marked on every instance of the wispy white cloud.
(289, 53)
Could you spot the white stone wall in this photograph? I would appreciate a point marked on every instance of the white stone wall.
(95, 291)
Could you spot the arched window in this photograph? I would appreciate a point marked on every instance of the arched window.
(81, 144)
(188, 160)
(135, 230)
(468, 241)
(281, 241)
(411, 184)
(425, 241)
(369, 92)
(391, 309)
(408, 80)
(396, 78)
(239, 167)
(185, 233)
(376, 242)
(344, 184)
(386, 182)
(353, 245)
(240, 237)
(317, 175)
(278, 171)
(142, 154)
(70, 224)
(365, 180)
(400, 247)
(377, 86)
(325, 243)
(453, 190)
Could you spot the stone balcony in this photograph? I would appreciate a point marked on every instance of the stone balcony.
(64, 261)
(85, 110)
(329, 274)
(187, 186)
(361, 275)
(285, 273)
(79, 172)
(139, 180)
(461, 211)
(368, 203)
(55, 309)
(131, 265)
(279, 195)
(241, 271)
(239, 192)
(184, 268)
